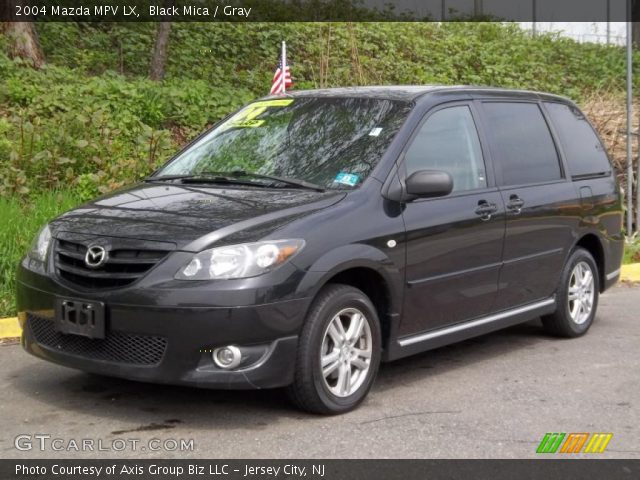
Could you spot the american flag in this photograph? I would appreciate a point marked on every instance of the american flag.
(281, 81)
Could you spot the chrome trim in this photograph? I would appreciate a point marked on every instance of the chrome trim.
(421, 337)
(237, 357)
(614, 274)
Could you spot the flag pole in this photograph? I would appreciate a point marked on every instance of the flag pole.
(629, 191)
(284, 67)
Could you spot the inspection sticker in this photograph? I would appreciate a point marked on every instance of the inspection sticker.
(350, 179)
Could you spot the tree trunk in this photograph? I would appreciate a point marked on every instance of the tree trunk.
(159, 58)
(24, 42)
(7, 12)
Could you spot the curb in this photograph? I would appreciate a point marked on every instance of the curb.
(630, 273)
(10, 328)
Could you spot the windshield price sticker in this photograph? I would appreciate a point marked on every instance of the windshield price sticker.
(350, 179)
(247, 117)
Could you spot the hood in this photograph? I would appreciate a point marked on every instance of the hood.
(181, 214)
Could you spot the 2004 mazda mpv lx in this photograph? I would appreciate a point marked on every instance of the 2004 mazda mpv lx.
(307, 237)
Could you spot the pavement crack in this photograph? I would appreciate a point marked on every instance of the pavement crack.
(413, 414)
(144, 428)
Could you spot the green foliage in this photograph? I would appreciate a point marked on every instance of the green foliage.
(57, 126)
(91, 119)
(244, 54)
(631, 252)
(20, 223)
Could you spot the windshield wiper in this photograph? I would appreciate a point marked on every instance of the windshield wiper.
(296, 182)
(205, 177)
(234, 177)
(162, 178)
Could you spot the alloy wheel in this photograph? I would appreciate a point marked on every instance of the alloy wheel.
(345, 356)
(581, 292)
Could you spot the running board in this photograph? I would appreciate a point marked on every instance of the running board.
(436, 338)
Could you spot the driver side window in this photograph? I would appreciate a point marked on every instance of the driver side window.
(448, 141)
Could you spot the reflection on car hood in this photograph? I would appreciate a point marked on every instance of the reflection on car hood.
(181, 214)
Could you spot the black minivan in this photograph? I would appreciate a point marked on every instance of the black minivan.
(310, 236)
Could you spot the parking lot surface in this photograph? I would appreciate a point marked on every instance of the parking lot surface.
(490, 397)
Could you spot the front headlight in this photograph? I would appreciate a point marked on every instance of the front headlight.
(40, 245)
(239, 261)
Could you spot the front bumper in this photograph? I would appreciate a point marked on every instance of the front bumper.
(166, 344)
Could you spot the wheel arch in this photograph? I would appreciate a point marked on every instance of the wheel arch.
(371, 271)
(593, 244)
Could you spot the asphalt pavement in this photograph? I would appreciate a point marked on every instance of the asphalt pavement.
(490, 397)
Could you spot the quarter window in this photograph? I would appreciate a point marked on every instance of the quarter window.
(448, 141)
(585, 154)
(522, 143)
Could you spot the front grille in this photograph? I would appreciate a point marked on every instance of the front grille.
(116, 347)
(123, 266)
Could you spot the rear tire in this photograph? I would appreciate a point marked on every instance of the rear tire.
(576, 297)
(338, 352)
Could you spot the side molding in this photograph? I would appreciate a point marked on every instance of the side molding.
(412, 344)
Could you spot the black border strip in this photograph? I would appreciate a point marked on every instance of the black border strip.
(548, 468)
(319, 10)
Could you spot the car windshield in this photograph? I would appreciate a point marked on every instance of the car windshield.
(326, 142)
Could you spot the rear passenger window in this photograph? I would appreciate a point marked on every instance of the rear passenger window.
(448, 141)
(585, 154)
(522, 143)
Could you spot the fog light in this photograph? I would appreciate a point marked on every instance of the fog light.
(227, 357)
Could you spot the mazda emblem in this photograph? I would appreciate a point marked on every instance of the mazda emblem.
(96, 256)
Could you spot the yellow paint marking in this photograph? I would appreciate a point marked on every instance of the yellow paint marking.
(10, 328)
(630, 273)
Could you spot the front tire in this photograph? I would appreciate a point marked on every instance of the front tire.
(577, 297)
(338, 352)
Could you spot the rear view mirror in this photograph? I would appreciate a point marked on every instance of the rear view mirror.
(429, 183)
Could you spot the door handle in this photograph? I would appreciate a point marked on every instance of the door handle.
(485, 210)
(515, 204)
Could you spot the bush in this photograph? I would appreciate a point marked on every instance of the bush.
(63, 126)
(632, 252)
(338, 54)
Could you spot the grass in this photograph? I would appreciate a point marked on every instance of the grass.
(21, 219)
(631, 252)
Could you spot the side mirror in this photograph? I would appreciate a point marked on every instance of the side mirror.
(429, 183)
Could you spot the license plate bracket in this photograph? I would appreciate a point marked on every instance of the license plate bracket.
(80, 317)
